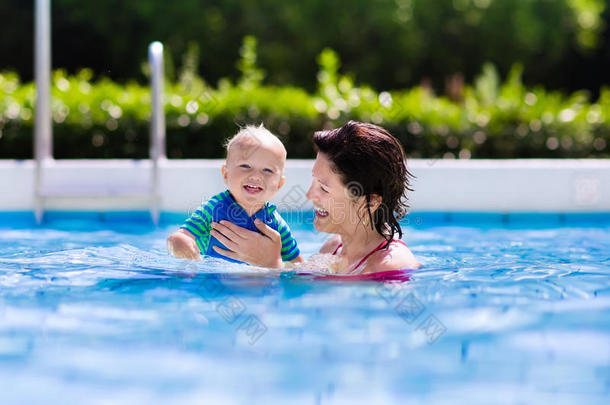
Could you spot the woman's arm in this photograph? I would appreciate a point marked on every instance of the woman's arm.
(248, 246)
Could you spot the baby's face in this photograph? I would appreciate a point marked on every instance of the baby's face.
(254, 172)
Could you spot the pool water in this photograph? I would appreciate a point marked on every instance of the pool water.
(94, 312)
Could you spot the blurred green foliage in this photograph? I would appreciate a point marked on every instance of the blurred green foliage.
(491, 119)
(389, 44)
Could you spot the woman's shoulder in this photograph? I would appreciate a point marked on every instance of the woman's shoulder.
(396, 257)
(331, 244)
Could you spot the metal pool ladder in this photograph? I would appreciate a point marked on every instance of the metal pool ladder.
(47, 188)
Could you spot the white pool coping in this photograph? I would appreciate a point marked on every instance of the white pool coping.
(520, 185)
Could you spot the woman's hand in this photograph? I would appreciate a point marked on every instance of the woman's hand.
(248, 246)
(182, 245)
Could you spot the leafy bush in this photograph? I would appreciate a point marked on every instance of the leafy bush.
(390, 44)
(490, 119)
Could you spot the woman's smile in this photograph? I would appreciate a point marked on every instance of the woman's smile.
(321, 212)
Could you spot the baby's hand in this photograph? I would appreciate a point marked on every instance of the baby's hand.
(181, 244)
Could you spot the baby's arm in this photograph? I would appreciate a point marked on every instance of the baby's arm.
(186, 242)
(181, 244)
(298, 259)
(290, 250)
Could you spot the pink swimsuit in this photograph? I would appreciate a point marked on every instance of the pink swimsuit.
(363, 260)
(382, 276)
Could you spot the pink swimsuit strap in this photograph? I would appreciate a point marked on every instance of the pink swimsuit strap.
(381, 246)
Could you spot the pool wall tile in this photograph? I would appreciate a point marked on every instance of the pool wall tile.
(304, 219)
(423, 218)
(17, 218)
(483, 218)
(173, 218)
(54, 216)
(127, 216)
(588, 219)
(535, 219)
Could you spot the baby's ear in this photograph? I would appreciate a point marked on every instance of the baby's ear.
(281, 183)
(223, 169)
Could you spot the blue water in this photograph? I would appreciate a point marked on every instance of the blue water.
(503, 312)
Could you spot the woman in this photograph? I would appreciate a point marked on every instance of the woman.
(358, 191)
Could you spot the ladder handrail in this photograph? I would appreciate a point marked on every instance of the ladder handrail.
(43, 129)
(157, 121)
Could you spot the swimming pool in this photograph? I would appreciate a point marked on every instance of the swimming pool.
(507, 309)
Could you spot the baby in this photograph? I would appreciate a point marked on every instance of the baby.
(253, 173)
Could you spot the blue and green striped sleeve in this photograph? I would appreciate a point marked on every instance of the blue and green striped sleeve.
(290, 249)
(199, 224)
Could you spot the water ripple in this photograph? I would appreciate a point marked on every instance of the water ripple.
(88, 312)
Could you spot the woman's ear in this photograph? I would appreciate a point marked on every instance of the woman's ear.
(374, 202)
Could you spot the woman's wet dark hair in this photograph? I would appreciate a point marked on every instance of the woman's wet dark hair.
(370, 161)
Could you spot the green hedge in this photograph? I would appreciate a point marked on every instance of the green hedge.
(490, 119)
(389, 44)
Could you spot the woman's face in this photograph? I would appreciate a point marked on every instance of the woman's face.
(335, 210)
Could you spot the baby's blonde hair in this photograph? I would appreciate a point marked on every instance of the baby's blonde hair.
(252, 135)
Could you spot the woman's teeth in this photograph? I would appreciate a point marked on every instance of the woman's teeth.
(320, 212)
